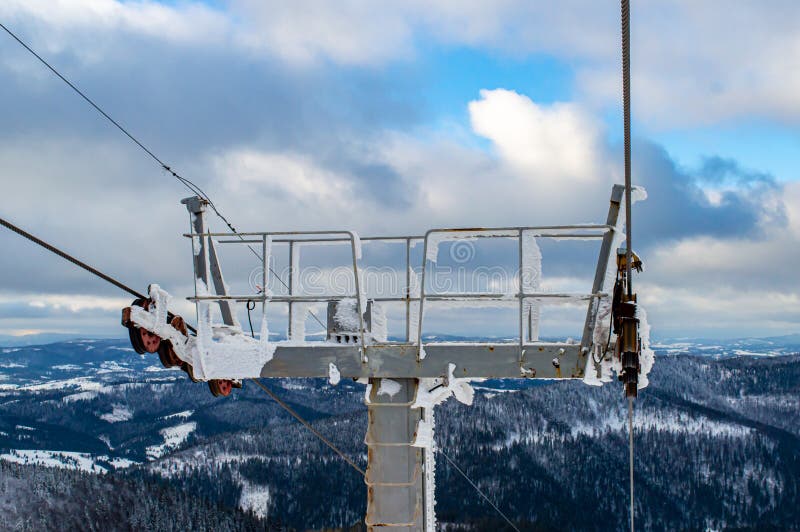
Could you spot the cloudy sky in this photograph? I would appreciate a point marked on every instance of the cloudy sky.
(394, 117)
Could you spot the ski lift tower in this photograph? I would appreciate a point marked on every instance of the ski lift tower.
(399, 475)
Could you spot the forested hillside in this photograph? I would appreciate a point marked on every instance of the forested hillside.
(717, 447)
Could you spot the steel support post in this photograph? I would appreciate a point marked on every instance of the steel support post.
(395, 487)
(603, 260)
(197, 208)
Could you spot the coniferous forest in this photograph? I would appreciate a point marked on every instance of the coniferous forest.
(717, 446)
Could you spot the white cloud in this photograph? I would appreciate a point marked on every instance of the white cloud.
(693, 62)
(543, 154)
(559, 140)
(306, 31)
(767, 260)
(700, 62)
(76, 302)
(550, 165)
(77, 24)
(282, 175)
(738, 286)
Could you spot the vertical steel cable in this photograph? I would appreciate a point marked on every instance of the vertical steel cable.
(630, 452)
(626, 113)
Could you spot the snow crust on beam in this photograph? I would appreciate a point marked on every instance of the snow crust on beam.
(347, 315)
(299, 315)
(357, 244)
(423, 438)
(379, 326)
(432, 392)
(389, 387)
(413, 306)
(436, 238)
(430, 475)
(333, 374)
(648, 357)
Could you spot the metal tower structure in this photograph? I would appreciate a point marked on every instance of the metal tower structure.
(399, 439)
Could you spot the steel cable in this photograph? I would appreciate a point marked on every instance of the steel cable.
(480, 492)
(630, 453)
(192, 187)
(626, 113)
(307, 425)
(79, 263)
(126, 288)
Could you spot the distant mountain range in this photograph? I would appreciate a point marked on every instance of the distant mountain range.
(717, 444)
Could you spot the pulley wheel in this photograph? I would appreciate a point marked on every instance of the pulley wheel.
(133, 331)
(220, 387)
(150, 341)
(167, 355)
(136, 340)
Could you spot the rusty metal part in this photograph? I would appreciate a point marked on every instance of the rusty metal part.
(150, 341)
(220, 387)
(166, 352)
(167, 355)
(187, 368)
(630, 347)
(622, 261)
(136, 342)
(179, 325)
(142, 340)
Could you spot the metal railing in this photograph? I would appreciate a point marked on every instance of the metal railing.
(305, 238)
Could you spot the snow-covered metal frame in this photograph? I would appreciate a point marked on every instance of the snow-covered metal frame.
(405, 379)
(371, 358)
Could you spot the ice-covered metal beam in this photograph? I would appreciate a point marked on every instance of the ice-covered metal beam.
(482, 360)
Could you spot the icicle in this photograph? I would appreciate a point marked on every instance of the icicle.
(333, 374)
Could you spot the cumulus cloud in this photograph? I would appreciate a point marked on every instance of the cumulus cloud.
(283, 176)
(80, 26)
(742, 284)
(693, 62)
(560, 140)
(281, 147)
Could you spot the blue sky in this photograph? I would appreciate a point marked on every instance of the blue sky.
(397, 117)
